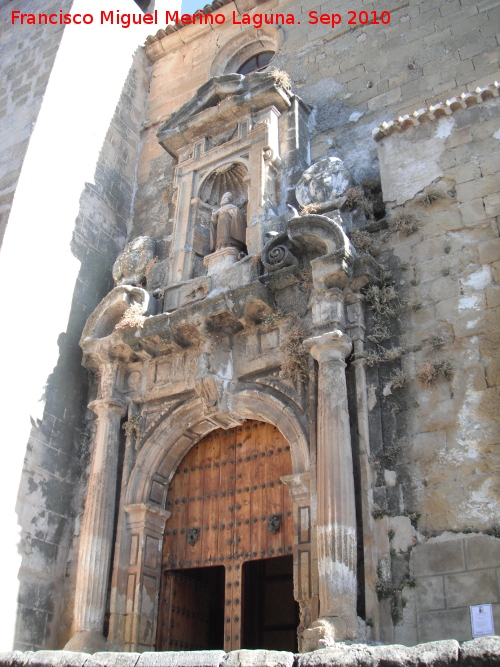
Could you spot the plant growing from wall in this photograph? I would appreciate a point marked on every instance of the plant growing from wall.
(431, 195)
(388, 590)
(366, 197)
(132, 317)
(295, 359)
(398, 379)
(429, 372)
(281, 78)
(436, 341)
(133, 426)
(405, 221)
(364, 242)
(392, 452)
(310, 209)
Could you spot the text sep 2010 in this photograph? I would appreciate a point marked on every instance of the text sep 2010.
(255, 20)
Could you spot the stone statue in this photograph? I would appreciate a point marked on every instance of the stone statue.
(324, 184)
(130, 266)
(228, 226)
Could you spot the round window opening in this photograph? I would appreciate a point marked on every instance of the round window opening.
(257, 63)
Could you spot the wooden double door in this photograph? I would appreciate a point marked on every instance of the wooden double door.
(229, 508)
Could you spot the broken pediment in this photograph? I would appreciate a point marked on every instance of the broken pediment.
(220, 102)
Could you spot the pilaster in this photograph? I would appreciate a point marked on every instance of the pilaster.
(145, 527)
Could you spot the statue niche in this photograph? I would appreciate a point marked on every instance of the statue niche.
(224, 193)
(228, 226)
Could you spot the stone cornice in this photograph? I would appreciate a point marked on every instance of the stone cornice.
(463, 101)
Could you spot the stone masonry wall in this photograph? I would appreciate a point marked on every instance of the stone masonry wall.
(453, 572)
(484, 651)
(433, 386)
(51, 495)
(27, 55)
(353, 78)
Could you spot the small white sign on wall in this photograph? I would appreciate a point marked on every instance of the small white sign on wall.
(481, 620)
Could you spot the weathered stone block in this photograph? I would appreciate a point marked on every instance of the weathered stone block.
(492, 205)
(430, 593)
(437, 654)
(489, 251)
(14, 658)
(444, 623)
(471, 588)
(59, 659)
(482, 551)
(482, 187)
(112, 659)
(480, 651)
(472, 211)
(258, 658)
(435, 557)
(181, 659)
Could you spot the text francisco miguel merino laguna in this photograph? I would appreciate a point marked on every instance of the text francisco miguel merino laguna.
(125, 20)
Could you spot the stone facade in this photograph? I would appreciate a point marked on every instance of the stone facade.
(364, 329)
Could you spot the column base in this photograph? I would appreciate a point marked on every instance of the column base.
(87, 641)
(326, 631)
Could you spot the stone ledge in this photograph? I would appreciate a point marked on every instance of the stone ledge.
(483, 651)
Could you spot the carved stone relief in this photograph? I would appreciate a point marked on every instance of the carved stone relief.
(130, 266)
(324, 184)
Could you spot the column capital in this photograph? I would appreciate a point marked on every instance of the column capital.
(332, 345)
(141, 515)
(299, 485)
(101, 406)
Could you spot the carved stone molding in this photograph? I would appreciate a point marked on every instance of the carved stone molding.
(299, 487)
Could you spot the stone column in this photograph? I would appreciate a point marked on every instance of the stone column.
(96, 537)
(336, 514)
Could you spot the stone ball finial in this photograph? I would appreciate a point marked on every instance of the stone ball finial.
(324, 184)
(130, 266)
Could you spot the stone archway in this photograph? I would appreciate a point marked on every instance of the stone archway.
(229, 508)
(143, 514)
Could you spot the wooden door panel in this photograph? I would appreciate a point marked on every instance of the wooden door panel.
(223, 493)
(184, 614)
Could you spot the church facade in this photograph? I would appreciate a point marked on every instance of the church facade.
(284, 432)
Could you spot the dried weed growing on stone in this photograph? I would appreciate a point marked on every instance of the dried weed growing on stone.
(364, 242)
(281, 78)
(132, 317)
(295, 356)
(428, 373)
(430, 196)
(133, 426)
(310, 209)
(405, 221)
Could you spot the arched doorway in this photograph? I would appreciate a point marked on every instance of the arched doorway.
(227, 548)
